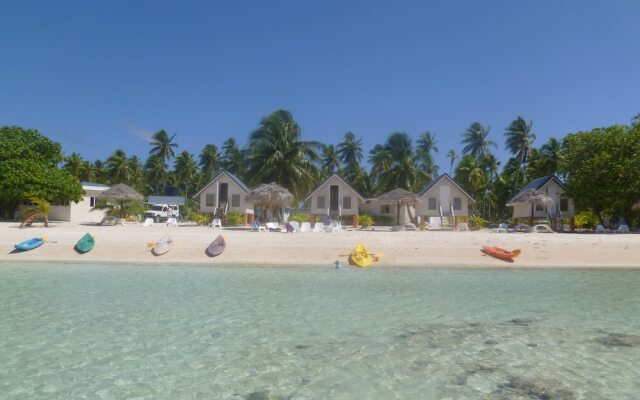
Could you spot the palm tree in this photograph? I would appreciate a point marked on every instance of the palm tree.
(74, 165)
(40, 209)
(136, 172)
(551, 155)
(233, 159)
(350, 150)
(186, 169)
(118, 168)
(476, 142)
(277, 154)
(209, 161)
(101, 171)
(380, 161)
(519, 141)
(330, 160)
(426, 145)
(470, 175)
(636, 119)
(162, 145)
(402, 172)
(156, 170)
(453, 156)
(89, 171)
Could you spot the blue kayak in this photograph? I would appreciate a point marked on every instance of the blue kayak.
(30, 244)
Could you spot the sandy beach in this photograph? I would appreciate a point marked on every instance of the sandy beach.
(128, 244)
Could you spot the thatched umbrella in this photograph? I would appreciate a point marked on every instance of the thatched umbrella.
(123, 193)
(271, 196)
(530, 196)
(400, 197)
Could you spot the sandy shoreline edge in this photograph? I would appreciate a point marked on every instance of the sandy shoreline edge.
(127, 244)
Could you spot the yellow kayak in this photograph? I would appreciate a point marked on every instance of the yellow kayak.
(360, 257)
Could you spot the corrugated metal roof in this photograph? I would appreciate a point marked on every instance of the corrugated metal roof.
(537, 184)
(173, 200)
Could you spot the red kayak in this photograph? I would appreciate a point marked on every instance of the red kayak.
(499, 253)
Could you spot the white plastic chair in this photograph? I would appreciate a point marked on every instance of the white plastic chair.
(542, 228)
(148, 222)
(172, 221)
(623, 229)
(334, 226)
(272, 226)
(318, 227)
(295, 225)
(305, 227)
(217, 222)
(600, 229)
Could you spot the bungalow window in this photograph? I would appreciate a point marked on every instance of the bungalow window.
(539, 206)
(564, 205)
(320, 202)
(235, 200)
(346, 202)
(385, 209)
(92, 202)
(210, 200)
(432, 203)
(457, 203)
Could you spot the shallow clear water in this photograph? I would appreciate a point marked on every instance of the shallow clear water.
(139, 332)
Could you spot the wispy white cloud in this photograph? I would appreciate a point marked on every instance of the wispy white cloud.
(139, 132)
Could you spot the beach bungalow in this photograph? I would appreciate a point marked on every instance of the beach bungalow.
(334, 196)
(444, 198)
(226, 192)
(81, 211)
(393, 208)
(552, 203)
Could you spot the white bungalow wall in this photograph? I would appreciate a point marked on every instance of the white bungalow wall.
(343, 191)
(245, 207)
(388, 210)
(439, 193)
(553, 190)
(80, 212)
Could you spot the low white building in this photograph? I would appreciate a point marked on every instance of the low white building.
(558, 206)
(334, 196)
(83, 210)
(226, 192)
(443, 197)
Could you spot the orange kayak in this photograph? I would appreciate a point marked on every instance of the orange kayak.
(500, 253)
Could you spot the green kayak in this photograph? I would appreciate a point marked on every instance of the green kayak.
(85, 243)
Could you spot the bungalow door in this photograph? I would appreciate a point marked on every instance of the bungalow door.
(445, 199)
(334, 197)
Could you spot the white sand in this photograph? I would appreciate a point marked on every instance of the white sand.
(128, 244)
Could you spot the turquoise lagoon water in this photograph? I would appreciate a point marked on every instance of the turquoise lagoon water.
(140, 332)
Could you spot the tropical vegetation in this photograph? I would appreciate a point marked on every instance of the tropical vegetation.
(599, 166)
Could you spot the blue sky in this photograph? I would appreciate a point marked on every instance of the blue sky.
(97, 76)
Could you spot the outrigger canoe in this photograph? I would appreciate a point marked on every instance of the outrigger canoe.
(85, 244)
(360, 257)
(162, 246)
(216, 247)
(499, 253)
(30, 244)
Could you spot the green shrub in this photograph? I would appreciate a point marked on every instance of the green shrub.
(385, 220)
(365, 220)
(200, 219)
(477, 222)
(234, 218)
(300, 217)
(587, 219)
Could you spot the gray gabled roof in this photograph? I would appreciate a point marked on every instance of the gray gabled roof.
(538, 184)
(438, 179)
(326, 180)
(231, 176)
